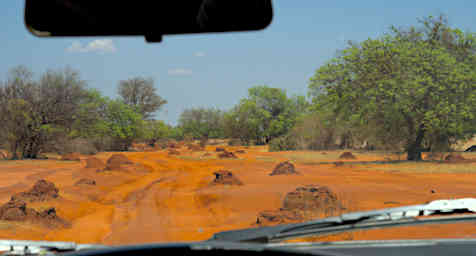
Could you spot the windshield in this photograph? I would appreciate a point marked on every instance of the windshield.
(336, 107)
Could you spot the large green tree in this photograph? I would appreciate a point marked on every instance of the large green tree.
(265, 114)
(412, 87)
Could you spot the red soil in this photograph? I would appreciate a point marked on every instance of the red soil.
(173, 152)
(93, 162)
(455, 158)
(339, 163)
(71, 157)
(223, 177)
(85, 181)
(174, 201)
(303, 204)
(284, 168)
(226, 154)
(43, 190)
(117, 161)
(347, 155)
(17, 210)
(195, 147)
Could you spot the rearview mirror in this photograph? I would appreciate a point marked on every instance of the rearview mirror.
(152, 19)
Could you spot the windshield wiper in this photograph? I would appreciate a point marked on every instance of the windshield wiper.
(21, 247)
(390, 217)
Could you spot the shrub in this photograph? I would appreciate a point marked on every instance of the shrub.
(283, 143)
(82, 146)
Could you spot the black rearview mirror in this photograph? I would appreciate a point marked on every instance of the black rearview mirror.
(149, 18)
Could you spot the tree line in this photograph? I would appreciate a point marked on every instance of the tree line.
(58, 108)
(410, 90)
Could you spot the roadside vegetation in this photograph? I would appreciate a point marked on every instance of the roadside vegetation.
(411, 90)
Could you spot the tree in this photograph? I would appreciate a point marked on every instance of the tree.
(243, 122)
(122, 124)
(157, 130)
(176, 133)
(406, 86)
(32, 112)
(265, 114)
(202, 123)
(141, 94)
(90, 116)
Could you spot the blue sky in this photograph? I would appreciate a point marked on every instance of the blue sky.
(217, 70)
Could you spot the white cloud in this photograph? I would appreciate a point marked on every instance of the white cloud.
(200, 54)
(179, 72)
(98, 45)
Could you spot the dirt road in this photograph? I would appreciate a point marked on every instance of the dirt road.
(169, 198)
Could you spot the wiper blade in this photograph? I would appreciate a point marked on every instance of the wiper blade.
(390, 217)
(23, 247)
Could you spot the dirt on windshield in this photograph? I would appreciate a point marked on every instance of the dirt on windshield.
(166, 198)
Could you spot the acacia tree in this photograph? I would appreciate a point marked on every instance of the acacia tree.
(141, 94)
(407, 86)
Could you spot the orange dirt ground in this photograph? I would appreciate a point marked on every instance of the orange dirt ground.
(168, 198)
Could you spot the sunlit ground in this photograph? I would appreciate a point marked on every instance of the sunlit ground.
(166, 198)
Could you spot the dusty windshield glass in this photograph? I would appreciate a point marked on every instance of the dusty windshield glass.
(334, 108)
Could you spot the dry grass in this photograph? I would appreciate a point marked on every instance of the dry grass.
(36, 163)
(197, 157)
(303, 157)
(266, 159)
(422, 167)
(384, 161)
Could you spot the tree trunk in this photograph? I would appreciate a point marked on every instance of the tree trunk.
(415, 148)
(15, 151)
(31, 151)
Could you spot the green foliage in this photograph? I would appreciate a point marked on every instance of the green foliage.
(156, 130)
(176, 133)
(35, 112)
(201, 123)
(265, 114)
(90, 116)
(122, 124)
(405, 86)
(141, 94)
(58, 110)
(283, 143)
